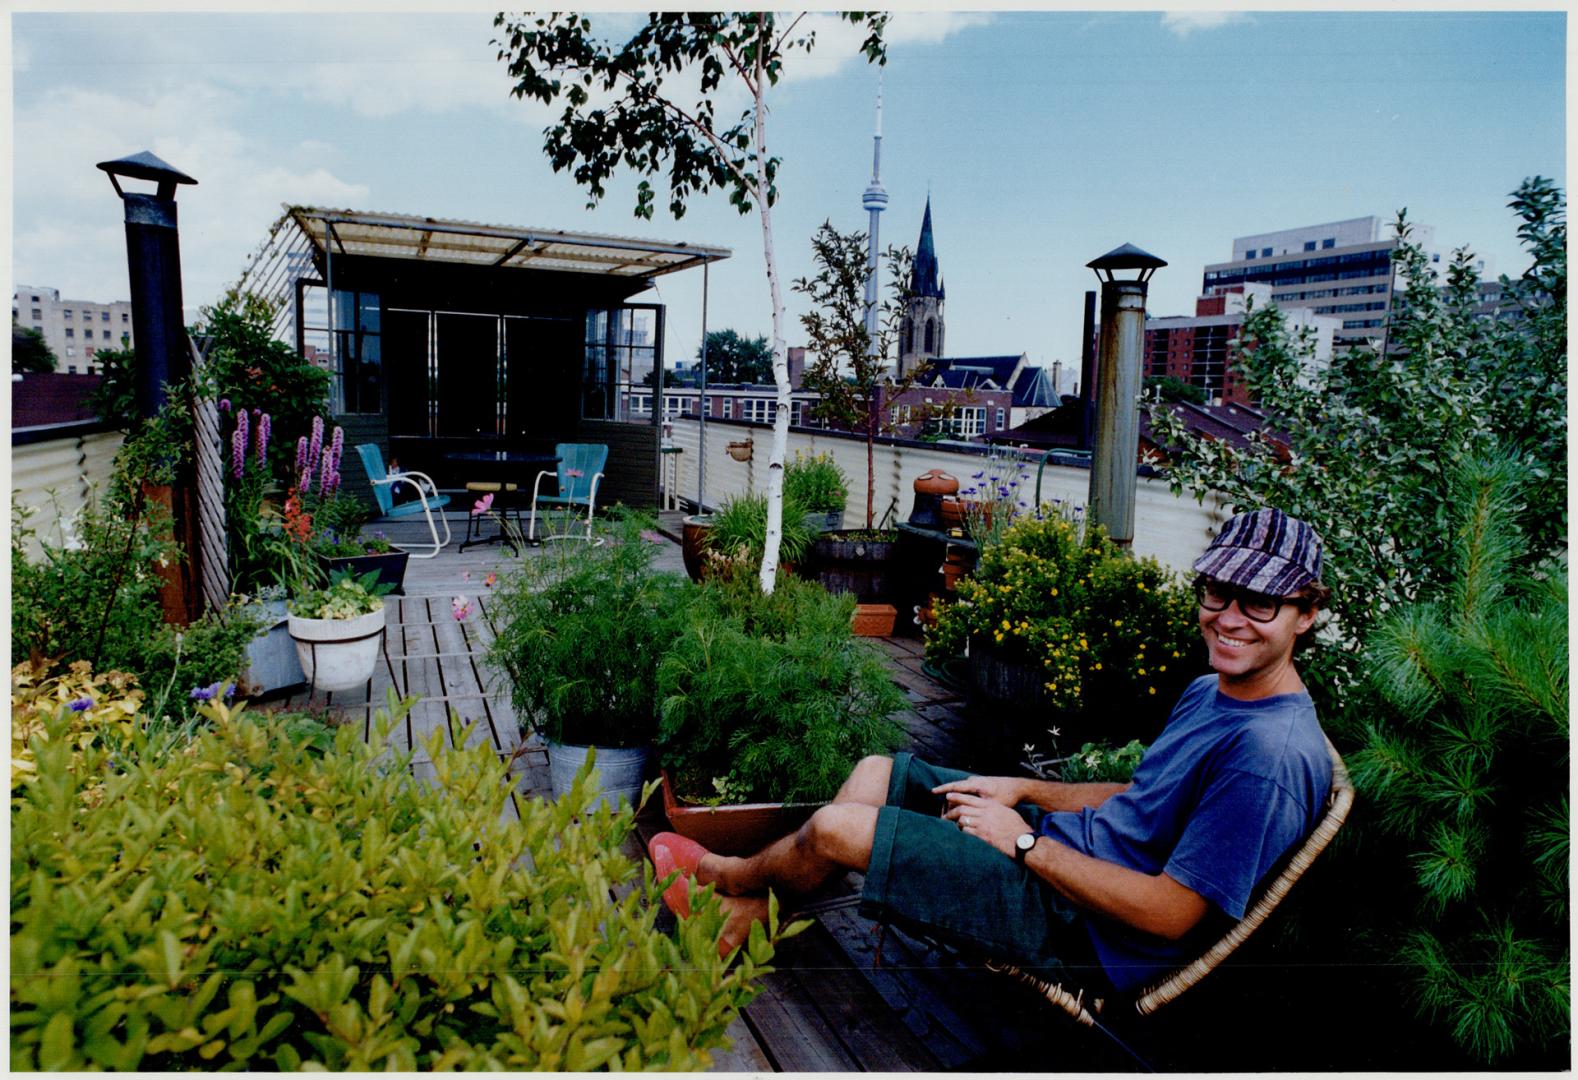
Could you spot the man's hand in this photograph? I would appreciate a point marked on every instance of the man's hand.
(992, 821)
(1007, 790)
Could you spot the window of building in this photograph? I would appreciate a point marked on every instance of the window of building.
(641, 403)
(1249, 254)
(1265, 253)
(70, 332)
(35, 299)
(87, 331)
(104, 316)
(1330, 242)
(71, 350)
(1309, 245)
(728, 408)
(758, 410)
(65, 312)
(125, 318)
(1002, 418)
(37, 313)
(901, 414)
(71, 369)
(931, 335)
(88, 352)
(968, 420)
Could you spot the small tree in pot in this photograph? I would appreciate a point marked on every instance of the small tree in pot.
(579, 634)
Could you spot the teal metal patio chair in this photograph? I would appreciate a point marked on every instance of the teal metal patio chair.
(427, 497)
(580, 473)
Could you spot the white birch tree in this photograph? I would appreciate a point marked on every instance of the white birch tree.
(649, 105)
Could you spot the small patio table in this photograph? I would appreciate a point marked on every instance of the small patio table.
(501, 467)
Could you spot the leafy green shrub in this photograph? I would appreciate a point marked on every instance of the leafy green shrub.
(815, 482)
(244, 905)
(101, 710)
(1110, 631)
(1371, 442)
(739, 532)
(772, 695)
(1465, 769)
(98, 600)
(579, 633)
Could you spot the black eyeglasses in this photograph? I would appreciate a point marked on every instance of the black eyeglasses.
(1257, 607)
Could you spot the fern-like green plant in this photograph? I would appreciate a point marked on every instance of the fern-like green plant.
(1465, 770)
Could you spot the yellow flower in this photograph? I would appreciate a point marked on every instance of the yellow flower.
(1150, 689)
(1098, 666)
(1007, 625)
(1117, 622)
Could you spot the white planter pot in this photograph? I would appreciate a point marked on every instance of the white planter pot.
(617, 773)
(338, 654)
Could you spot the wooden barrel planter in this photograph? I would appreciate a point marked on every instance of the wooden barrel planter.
(693, 539)
(1009, 706)
(846, 562)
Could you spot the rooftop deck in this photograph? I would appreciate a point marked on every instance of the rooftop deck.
(834, 1003)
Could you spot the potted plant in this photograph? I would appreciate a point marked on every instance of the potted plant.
(738, 533)
(361, 554)
(579, 636)
(817, 483)
(1063, 628)
(271, 661)
(766, 702)
(339, 629)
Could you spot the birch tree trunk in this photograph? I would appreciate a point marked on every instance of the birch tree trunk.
(780, 444)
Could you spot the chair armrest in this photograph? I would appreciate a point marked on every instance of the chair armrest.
(537, 483)
(395, 478)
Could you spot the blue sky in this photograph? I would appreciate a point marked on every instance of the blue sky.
(1044, 138)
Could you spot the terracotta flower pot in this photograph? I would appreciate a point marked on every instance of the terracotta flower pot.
(743, 829)
(874, 620)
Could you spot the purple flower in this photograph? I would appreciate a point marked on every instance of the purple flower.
(230, 691)
(204, 693)
(82, 703)
(301, 454)
(314, 449)
(238, 454)
(224, 404)
(265, 425)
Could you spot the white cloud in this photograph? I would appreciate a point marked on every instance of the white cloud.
(1184, 23)
(68, 222)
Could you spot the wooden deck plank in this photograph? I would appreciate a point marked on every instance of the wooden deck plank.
(791, 1030)
(745, 1055)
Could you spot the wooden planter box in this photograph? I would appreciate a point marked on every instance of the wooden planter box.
(743, 829)
(390, 567)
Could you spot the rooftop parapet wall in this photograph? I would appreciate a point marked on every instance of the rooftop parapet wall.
(1173, 529)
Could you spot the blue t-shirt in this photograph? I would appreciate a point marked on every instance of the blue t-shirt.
(1223, 793)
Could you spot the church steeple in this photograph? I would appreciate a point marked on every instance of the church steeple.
(920, 334)
(925, 280)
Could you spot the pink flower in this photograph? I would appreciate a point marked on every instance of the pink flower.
(238, 452)
(482, 505)
(491, 580)
(465, 575)
(651, 537)
(460, 607)
(224, 404)
(301, 455)
(574, 474)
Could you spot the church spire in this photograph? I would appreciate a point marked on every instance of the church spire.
(925, 279)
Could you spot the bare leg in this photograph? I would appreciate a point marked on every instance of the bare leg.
(867, 782)
(837, 837)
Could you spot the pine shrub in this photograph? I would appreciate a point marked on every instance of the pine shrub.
(1465, 771)
(240, 904)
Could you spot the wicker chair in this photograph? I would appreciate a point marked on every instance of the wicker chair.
(1153, 997)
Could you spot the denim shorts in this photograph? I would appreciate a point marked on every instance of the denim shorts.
(928, 877)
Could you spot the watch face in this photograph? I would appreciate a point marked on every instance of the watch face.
(1026, 841)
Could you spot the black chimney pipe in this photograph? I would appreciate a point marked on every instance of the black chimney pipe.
(153, 261)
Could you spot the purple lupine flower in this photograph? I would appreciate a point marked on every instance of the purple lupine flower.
(265, 425)
(314, 449)
(224, 404)
(326, 476)
(238, 454)
(301, 454)
(81, 704)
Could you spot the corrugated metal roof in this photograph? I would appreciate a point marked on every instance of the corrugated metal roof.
(405, 236)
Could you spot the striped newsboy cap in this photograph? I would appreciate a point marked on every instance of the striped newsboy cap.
(1264, 551)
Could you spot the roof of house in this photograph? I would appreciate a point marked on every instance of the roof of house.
(1031, 387)
(407, 236)
(1060, 427)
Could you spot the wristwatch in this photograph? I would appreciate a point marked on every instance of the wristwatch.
(1022, 845)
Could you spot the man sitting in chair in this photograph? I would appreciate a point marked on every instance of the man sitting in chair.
(1110, 880)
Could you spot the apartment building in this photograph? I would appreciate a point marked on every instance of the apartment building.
(75, 330)
(1342, 269)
